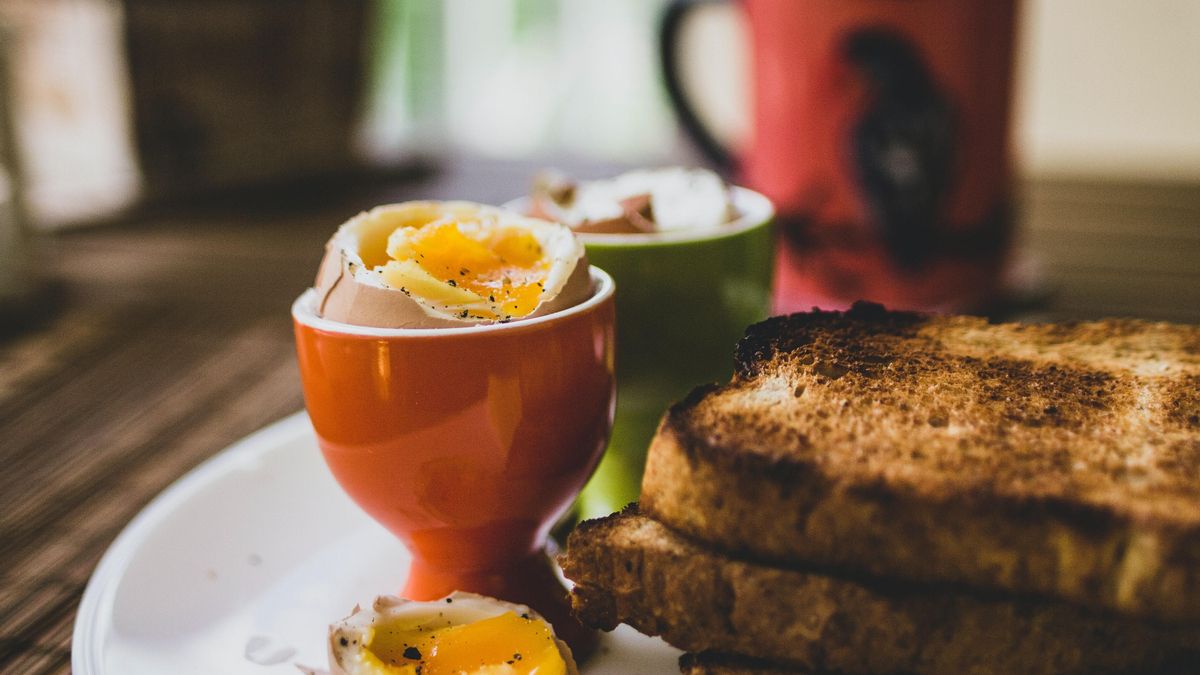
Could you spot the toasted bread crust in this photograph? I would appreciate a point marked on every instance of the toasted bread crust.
(1059, 459)
(629, 568)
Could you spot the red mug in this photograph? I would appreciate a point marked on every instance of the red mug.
(880, 130)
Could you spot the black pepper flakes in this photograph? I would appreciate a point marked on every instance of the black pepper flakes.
(344, 642)
(452, 283)
(449, 600)
(412, 653)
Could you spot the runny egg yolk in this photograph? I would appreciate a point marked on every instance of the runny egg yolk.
(499, 272)
(505, 644)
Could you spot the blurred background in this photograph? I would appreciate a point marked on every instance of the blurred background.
(109, 103)
(112, 107)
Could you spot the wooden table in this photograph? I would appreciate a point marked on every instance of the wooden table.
(172, 340)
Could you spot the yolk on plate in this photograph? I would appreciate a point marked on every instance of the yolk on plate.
(454, 261)
(502, 644)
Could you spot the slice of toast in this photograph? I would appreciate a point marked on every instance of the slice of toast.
(710, 663)
(629, 568)
(1055, 459)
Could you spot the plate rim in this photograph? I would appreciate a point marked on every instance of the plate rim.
(93, 618)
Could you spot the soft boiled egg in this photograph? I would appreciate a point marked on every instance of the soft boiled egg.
(461, 634)
(643, 201)
(445, 264)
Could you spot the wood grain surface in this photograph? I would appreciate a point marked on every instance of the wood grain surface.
(169, 338)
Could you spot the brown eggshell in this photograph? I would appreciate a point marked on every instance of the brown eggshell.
(345, 299)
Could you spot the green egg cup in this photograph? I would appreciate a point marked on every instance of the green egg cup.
(683, 301)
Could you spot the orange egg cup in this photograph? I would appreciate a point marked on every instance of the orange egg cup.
(467, 443)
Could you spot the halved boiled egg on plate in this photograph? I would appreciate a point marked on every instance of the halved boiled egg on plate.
(435, 264)
(461, 634)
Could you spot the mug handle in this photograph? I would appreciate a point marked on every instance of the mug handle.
(669, 32)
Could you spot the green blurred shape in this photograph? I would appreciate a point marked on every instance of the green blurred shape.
(682, 305)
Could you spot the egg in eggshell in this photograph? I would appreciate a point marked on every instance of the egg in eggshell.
(462, 633)
(430, 264)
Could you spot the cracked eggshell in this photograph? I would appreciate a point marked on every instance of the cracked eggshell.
(355, 629)
(350, 291)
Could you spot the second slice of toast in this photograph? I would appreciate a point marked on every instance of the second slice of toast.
(629, 568)
(1053, 459)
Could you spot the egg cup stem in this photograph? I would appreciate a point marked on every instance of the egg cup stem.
(529, 581)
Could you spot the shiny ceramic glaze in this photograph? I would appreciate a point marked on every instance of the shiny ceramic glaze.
(466, 443)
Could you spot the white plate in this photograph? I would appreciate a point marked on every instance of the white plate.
(239, 567)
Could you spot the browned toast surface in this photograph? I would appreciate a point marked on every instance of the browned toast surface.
(629, 568)
(1058, 459)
